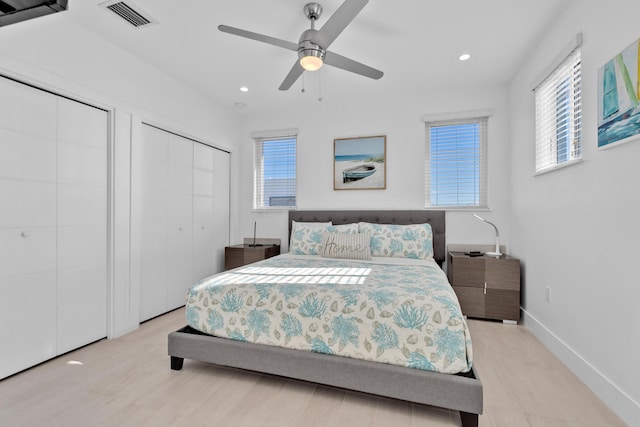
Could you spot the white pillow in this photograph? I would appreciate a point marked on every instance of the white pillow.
(346, 245)
(306, 237)
(400, 241)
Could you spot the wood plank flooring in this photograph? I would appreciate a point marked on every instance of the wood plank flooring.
(127, 382)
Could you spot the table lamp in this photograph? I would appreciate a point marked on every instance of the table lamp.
(497, 252)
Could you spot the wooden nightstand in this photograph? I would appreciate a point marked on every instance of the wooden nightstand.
(487, 287)
(239, 255)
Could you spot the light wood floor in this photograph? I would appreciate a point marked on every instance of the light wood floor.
(127, 382)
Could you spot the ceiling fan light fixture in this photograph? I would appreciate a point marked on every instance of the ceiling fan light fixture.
(311, 62)
(311, 55)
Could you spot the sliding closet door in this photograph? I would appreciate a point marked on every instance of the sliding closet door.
(221, 203)
(180, 212)
(180, 216)
(27, 226)
(162, 190)
(203, 212)
(150, 177)
(53, 225)
(82, 224)
(211, 210)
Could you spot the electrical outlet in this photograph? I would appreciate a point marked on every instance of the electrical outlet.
(547, 294)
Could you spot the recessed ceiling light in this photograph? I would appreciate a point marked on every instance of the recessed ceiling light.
(244, 89)
(464, 57)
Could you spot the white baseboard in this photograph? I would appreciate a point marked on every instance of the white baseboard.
(620, 402)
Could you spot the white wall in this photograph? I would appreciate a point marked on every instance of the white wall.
(400, 120)
(576, 229)
(56, 54)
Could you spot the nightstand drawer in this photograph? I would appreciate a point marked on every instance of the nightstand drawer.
(471, 300)
(239, 255)
(468, 271)
(503, 274)
(502, 304)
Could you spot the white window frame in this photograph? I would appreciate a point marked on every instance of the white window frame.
(260, 138)
(480, 117)
(558, 111)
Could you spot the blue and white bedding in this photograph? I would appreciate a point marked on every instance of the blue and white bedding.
(390, 310)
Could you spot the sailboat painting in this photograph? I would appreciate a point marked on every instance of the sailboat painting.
(619, 98)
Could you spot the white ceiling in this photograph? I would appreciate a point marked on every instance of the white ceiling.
(416, 44)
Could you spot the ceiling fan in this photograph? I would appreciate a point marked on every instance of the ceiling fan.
(313, 44)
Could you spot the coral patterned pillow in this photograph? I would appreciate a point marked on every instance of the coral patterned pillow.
(400, 241)
(306, 237)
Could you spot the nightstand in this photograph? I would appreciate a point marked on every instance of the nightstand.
(239, 255)
(487, 287)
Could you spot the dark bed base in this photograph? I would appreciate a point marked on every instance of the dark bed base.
(461, 392)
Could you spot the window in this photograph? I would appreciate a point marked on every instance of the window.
(456, 163)
(559, 115)
(274, 172)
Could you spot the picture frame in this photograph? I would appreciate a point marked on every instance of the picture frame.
(619, 98)
(360, 163)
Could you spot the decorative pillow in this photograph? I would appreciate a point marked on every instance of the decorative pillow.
(344, 228)
(346, 245)
(306, 237)
(400, 241)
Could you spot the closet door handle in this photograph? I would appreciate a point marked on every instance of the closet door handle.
(485, 288)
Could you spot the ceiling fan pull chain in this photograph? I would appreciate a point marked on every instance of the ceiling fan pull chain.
(319, 86)
(302, 83)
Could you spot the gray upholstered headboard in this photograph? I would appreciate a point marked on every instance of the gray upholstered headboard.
(435, 218)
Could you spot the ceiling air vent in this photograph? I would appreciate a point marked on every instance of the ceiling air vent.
(129, 12)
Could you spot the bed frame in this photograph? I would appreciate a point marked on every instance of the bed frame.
(461, 392)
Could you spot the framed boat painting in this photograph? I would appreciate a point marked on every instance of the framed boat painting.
(360, 163)
(619, 98)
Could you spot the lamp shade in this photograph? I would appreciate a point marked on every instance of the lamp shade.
(311, 63)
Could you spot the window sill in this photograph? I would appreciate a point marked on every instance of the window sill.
(560, 166)
(458, 208)
(275, 209)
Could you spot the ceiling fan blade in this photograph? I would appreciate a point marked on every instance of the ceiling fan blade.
(294, 74)
(338, 22)
(259, 37)
(347, 64)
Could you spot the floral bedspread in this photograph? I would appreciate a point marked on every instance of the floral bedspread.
(384, 310)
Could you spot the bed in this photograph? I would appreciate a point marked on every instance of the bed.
(460, 389)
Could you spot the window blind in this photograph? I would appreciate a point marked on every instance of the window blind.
(455, 166)
(275, 172)
(558, 102)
